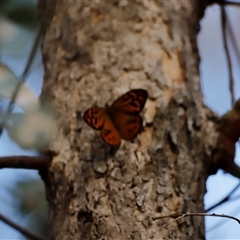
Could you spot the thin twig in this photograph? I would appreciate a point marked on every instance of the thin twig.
(32, 54)
(26, 162)
(228, 3)
(26, 70)
(234, 198)
(234, 213)
(22, 230)
(229, 63)
(180, 216)
(225, 199)
(233, 39)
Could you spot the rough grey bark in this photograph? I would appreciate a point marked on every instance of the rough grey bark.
(93, 52)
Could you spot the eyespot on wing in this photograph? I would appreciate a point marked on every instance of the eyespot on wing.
(95, 117)
(131, 102)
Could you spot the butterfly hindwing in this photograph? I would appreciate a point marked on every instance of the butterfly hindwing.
(131, 102)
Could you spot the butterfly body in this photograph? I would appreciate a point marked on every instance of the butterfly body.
(119, 121)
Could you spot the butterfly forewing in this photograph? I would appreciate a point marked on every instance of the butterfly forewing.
(131, 102)
(95, 117)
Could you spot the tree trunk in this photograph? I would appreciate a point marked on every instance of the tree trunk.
(93, 52)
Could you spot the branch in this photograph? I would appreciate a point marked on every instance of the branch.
(233, 39)
(236, 4)
(229, 133)
(234, 170)
(225, 199)
(180, 216)
(25, 72)
(26, 162)
(22, 230)
(229, 62)
(234, 213)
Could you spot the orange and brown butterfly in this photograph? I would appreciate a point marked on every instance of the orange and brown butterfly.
(119, 121)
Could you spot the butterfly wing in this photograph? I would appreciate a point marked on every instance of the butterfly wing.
(125, 113)
(131, 102)
(128, 125)
(109, 133)
(98, 119)
(121, 120)
(95, 117)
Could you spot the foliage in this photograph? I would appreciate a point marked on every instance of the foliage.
(16, 17)
(22, 13)
(29, 195)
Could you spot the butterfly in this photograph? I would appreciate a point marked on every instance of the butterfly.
(119, 121)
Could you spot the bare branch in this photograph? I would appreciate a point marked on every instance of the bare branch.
(20, 229)
(29, 63)
(180, 216)
(234, 213)
(26, 162)
(229, 3)
(233, 39)
(225, 199)
(229, 62)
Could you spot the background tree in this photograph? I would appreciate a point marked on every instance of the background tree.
(107, 49)
(167, 147)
